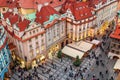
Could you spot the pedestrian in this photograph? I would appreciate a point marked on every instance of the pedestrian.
(106, 71)
(100, 73)
(65, 69)
(70, 67)
(112, 78)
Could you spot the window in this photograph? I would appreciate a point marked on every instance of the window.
(37, 50)
(51, 2)
(41, 35)
(60, 0)
(34, 31)
(30, 33)
(37, 30)
(37, 44)
(36, 37)
(30, 46)
(42, 41)
(29, 40)
(3, 9)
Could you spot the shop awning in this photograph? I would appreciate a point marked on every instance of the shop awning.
(96, 42)
(111, 55)
(117, 64)
(72, 52)
(82, 45)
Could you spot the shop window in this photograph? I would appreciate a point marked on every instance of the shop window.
(42, 47)
(37, 50)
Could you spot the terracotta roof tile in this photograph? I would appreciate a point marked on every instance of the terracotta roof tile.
(116, 33)
(26, 3)
(23, 24)
(80, 10)
(45, 13)
(7, 14)
(13, 19)
(3, 3)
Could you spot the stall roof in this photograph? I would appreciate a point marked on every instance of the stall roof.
(72, 52)
(96, 42)
(117, 64)
(82, 45)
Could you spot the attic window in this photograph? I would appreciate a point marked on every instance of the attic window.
(7, 2)
(36, 2)
(51, 2)
(60, 0)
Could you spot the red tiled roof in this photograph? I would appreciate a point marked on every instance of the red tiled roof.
(80, 10)
(26, 3)
(34, 3)
(13, 19)
(3, 3)
(11, 46)
(8, 3)
(55, 3)
(13, 4)
(23, 24)
(116, 33)
(7, 14)
(45, 13)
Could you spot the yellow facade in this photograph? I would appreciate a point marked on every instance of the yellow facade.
(104, 27)
(26, 11)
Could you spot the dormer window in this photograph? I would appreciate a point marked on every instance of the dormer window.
(36, 2)
(51, 2)
(60, 0)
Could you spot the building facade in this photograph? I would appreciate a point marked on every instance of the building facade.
(4, 53)
(81, 20)
(40, 29)
(105, 11)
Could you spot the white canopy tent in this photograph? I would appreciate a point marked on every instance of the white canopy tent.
(117, 64)
(111, 55)
(72, 52)
(96, 42)
(82, 45)
(77, 49)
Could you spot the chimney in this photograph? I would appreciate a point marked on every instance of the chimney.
(22, 18)
(39, 7)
